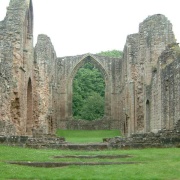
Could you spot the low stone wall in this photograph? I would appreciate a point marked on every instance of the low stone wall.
(31, 142)
(102, 124)
(164, 138)
(49, 143)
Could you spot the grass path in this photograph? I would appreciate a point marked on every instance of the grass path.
(85, 136)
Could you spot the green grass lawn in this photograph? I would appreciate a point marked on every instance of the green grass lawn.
(160, 164)
(85, 136)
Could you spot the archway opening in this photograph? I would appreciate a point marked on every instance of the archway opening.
(126, 125)
(147, 116)
(29, 122)
(88, 93)
(50, 125)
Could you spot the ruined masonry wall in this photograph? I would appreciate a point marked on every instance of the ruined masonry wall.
(6, 126)
(170, 80)
(166, 77)
(141, 52)
(44, 75)
(16, 51)
(142, 88)
(156, 33)
(66, 69)
(160, 139)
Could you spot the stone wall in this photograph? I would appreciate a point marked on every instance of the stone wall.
(44, 78)
(16, 53)
(142, 88)
(66, 69)
(33, 142)
(163, 138)
(164, 91)
(141, 54)
(98, 124)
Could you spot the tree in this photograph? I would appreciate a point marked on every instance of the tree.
(87, 82)
(93, 107)
(112, 53)
(89, 90)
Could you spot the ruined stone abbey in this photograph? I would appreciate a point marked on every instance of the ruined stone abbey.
(142, 91)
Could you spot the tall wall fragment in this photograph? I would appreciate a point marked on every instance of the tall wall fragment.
(165, 89)
(141, 54)
(16, 52)
(44, 75)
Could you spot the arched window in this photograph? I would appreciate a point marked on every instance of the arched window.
(29, 122)
(147, 116)
(88, 93)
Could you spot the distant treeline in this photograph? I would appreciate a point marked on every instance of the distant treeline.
(112, 53)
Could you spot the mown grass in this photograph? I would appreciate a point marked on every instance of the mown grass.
(160, 164)
(85, 136)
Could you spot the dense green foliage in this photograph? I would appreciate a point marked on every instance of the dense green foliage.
(113, 53)
(89, 89)
(88, 93)
(93, 107)
(154, 164)
(86, 136)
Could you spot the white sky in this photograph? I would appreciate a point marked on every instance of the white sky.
(82, 26)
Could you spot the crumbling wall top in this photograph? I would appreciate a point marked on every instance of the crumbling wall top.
(44, 49)
(18, 4)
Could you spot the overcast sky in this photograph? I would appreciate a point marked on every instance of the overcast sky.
(82, 26)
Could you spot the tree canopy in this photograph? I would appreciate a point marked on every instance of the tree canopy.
(88, 93)
(112, 53)
(89, 90)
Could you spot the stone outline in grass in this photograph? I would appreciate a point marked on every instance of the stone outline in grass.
(62, 164)
(94, 156)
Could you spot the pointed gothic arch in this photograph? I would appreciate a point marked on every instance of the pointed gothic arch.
(92, 59)
(27, 30)
(28, 22)
(30, 18)
(29, 119)
(148, 115)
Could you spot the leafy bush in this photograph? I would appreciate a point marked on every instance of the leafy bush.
(93, 107)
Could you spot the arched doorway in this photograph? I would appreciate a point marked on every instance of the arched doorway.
(88, 93)
(27, 34)
(29, 122)
(88, 59)
(126, 123)
(147, 116)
